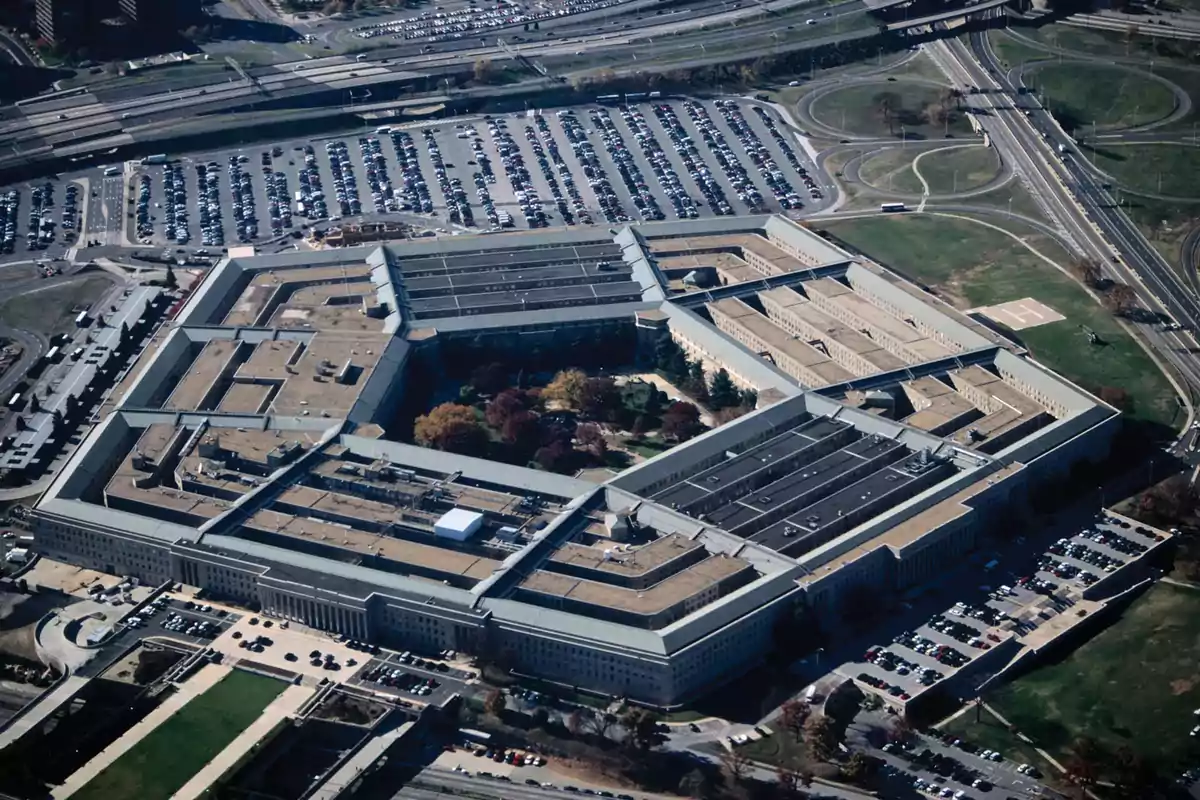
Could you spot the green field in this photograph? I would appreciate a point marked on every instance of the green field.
(959, 170)
(1013, 51)
(984, 267)
(161, 763)
(1112, 97)
(48, 309)
(1165, 169)
(857, 110)
(891, 171)
(1134, 684)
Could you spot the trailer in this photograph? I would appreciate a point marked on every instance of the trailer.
(158, 158)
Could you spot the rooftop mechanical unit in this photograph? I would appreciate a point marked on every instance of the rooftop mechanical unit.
(458, 524)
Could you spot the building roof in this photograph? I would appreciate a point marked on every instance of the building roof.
(251, 430)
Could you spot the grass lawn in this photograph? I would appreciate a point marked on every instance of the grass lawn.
(1012, 196)
(960, 169)
(1134, 684)
(1012, 51)
(162, 762)
(780, 748)
(48, 310)
(985, 267)
(890, 170)
(1168, 169)
(1111, 96)
(856, 110)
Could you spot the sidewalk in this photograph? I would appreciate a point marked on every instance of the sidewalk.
(285, 705)
(197, 685)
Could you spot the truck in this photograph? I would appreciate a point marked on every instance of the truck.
(112, 171)
(157, 158)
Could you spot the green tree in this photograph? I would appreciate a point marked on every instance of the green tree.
(541, 717)
(495, 703)
(723, 393)
(696, 383)
(664, 353)
(170, 281)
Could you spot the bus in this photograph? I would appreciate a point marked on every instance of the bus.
(887, 208)
(15, 400)
(112, 171)
(383, 129)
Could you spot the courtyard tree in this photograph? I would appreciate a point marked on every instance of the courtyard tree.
(451, 427)
(490, 378)
(723, 393)
(505, 406)
(521, 429)
(681, 421)
(567, 389)
(170, 281)
(592, 440)
(600, 399)
(695, 383)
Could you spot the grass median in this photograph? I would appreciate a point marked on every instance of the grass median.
(167, 758)
(973, 265)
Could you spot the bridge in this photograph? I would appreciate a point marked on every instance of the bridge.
(988, 8)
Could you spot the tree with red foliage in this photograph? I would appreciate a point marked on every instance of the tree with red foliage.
(553, 456)
(591, 439)
(600, 399)
(681, 421)
(504, 406)
(521, 429)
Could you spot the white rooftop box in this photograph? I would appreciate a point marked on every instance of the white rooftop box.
(458, 524)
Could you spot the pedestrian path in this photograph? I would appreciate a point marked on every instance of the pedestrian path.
(207, 677)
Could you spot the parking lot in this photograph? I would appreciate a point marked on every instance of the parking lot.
(1015, 603)
(184, 620)
(412, 677)
(599, 164)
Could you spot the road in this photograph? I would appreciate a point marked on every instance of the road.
(430, 783)
(1072, 197)
(106, 117)
(14, 51)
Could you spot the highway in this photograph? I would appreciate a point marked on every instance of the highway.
(73, 123)
(1070, 194)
